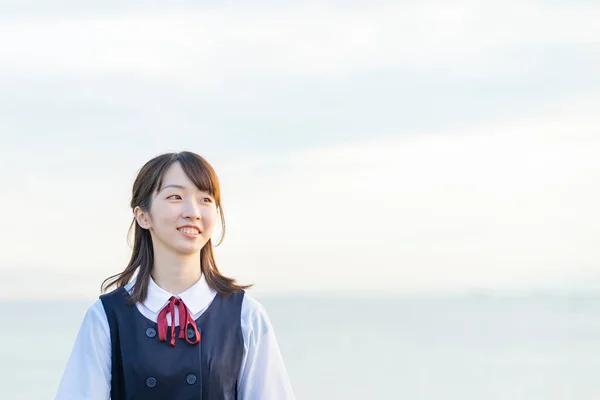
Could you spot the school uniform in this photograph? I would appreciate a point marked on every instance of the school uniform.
(218, 348)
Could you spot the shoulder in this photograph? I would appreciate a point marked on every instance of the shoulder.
(254, 318)
(252, 308)
(96, 310)
(95, 319)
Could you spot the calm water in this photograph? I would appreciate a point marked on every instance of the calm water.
(371, 348)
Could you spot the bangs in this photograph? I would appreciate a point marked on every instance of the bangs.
(197, 169)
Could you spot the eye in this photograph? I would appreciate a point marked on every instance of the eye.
(174, 196)
(208, 199)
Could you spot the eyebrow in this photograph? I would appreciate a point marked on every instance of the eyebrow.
(179, 187)
(173, 186)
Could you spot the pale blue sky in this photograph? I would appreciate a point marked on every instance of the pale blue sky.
(387, 147)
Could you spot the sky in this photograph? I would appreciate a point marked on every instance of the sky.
(388, 147)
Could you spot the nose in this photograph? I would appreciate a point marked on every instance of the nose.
(192, 211)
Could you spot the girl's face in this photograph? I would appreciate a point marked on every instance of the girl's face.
(182, 217)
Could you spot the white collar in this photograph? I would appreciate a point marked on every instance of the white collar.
(196, 298)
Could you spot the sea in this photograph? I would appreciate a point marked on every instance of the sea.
(354, 347)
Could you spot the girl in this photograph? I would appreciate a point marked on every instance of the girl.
(178, 329)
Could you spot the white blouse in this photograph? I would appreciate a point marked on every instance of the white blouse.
(263, 376)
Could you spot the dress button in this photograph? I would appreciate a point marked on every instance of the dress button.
(191, 333)
(150, 332)
(191, 379)
(151, 382)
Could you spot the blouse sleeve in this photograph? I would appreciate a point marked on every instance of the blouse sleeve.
(87, 374)
(263, 375)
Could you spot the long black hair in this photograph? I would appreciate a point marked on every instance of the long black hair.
(148, 181)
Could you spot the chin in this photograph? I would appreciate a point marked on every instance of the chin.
(186, 249)
(189, 251)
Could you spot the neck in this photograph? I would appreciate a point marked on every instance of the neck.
(176, 273)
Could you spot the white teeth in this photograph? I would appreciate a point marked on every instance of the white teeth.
(189, 231)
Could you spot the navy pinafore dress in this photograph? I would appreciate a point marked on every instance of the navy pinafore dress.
(143, 367)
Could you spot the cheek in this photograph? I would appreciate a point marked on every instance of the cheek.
(165, 216)
(209, 217)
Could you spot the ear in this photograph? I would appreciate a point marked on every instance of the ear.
(142, 218)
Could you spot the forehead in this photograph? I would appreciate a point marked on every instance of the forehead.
(175, 175)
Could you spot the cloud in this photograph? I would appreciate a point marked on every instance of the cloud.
(207, 47)
(511, 205)
(491, 206)
(338, 170)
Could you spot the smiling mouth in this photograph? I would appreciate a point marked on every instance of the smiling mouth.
(189, 231)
